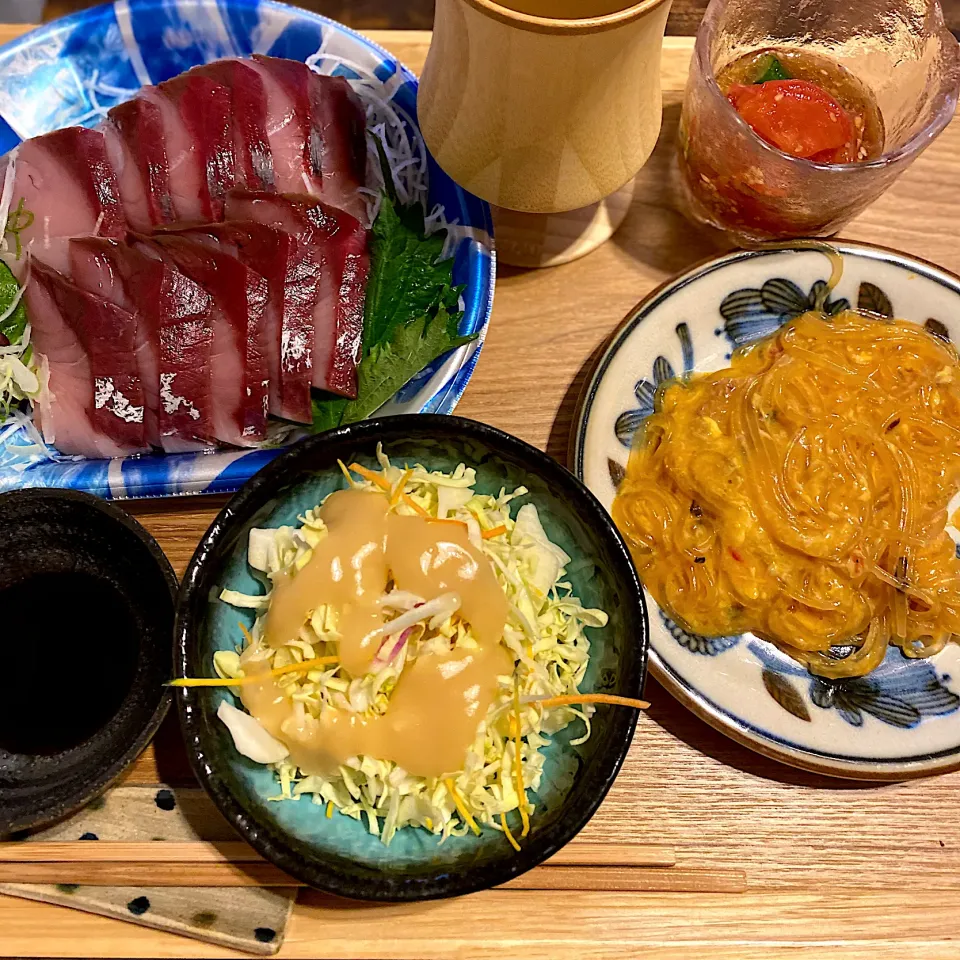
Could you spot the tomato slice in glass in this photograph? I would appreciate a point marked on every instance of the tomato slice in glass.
(797, 117)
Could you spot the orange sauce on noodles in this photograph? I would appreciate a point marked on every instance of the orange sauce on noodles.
(802, 494)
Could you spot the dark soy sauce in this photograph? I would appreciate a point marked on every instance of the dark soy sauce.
(71, 644)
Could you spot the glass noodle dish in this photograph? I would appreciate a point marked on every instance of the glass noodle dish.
(803, 493)
(415, 648)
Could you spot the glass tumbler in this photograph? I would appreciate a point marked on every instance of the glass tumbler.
(900, 50)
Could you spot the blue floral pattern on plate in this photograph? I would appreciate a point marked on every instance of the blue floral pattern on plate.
(751, 314)
(900, 692)
(71, 71)
(728, 680)
(646, 390)
(706, 646)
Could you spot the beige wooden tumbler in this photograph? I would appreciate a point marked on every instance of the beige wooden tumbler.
(546, 109)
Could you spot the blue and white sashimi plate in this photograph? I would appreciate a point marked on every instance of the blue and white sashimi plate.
(71, 71)
(903, 719)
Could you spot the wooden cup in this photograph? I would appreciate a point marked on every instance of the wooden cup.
(544, 107)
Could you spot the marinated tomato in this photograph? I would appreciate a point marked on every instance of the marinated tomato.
(807, 107)
(797, 117)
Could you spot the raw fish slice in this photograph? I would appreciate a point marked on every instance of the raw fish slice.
(266, 331)
(66, 183)
(205, 109)
(96, 403)
(135, 141)
(195, 114)
(94, 268)
(174, 334)
(338, 243)
(133, 197)
(343, 128)
(184, 164)
(350, 301)
(62, 410)
(292, 280)
(327, 155)
(106, 268)
(254, 161)
(239, 376)
(182, 311)
(295, 140)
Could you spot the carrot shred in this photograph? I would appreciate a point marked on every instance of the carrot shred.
(493, 532)
(591, 698)
(459, 523)
(381, 481)
(377, 478)
(410, 502)
(304, 665)
(521, 793)
(461, 806)
(398, 490)
(255, 677)
(506, 830)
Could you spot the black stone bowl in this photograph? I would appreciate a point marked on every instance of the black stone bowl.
(339, 855)
(86, 621)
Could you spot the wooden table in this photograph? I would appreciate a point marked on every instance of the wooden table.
(862, 872)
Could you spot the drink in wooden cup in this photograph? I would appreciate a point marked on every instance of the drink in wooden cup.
(543, 106)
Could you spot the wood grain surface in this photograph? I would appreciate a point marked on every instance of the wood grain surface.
(833, 868)
(578, 853)
(180, 875)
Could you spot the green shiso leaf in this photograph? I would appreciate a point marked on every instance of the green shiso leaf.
(411, 314)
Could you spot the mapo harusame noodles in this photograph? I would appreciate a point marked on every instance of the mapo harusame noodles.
(802, 493)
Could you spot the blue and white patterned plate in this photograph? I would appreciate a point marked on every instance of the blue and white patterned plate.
(903, 719)
(71, 71)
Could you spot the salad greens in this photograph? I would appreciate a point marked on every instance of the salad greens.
(545, 633)
(411, 315)
(390, 364)
(18, 379)
(408, 277)
(11, 327)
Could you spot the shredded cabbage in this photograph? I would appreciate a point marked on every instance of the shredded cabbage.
(249, 737)
(545, 632)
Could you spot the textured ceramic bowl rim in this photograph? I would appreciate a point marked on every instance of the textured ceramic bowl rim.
(556, 25)
(278, 473)
(110, 772)
(698, 704)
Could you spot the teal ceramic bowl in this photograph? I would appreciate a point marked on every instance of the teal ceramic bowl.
(339, 855)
